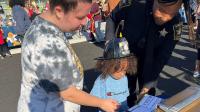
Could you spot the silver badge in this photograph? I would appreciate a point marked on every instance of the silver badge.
(163, 32)
(124, 48)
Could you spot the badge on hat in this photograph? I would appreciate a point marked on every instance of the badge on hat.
(117, 47)
(123, 46)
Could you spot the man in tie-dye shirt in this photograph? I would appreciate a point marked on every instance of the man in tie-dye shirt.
(52, 75)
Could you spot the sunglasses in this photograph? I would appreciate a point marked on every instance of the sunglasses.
(168, 2)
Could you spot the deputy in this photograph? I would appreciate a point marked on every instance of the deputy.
(152, 28)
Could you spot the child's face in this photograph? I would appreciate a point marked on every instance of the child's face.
(122, 70)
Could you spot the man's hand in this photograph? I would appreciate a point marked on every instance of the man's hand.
(109, 105)
(142, 93)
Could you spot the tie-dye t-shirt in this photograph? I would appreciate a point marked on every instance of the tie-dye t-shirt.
(49, 65)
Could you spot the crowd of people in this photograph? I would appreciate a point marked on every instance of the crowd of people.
(139, 40)
(4, 50)
(13, 26)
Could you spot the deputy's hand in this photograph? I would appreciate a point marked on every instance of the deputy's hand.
(109, 105)
(144, 90)
(142, 93)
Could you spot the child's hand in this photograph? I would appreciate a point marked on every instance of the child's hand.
(109, 105)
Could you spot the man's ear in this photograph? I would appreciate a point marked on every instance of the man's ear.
(59, 12)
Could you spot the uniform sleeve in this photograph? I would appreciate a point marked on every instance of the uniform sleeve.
(96, 90)
(161, 55)
(54, 66)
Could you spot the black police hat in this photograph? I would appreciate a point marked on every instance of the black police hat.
(115, 49)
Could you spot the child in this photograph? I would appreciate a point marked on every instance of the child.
(6, 30)
(92, 28)
(114, 64)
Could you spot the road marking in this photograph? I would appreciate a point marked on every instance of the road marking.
(15, 51)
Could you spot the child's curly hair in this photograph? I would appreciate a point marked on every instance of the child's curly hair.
(112, 65)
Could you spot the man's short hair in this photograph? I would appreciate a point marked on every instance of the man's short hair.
(67, 5)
